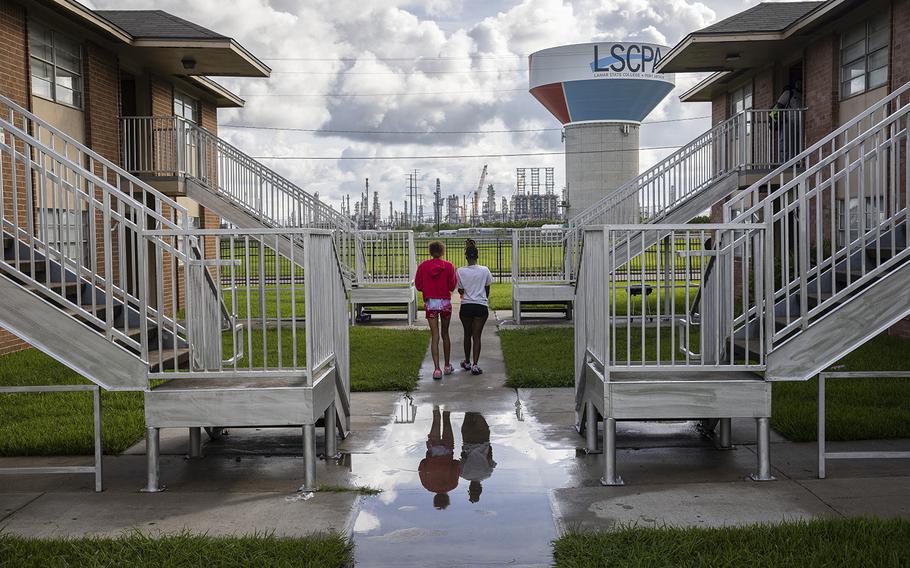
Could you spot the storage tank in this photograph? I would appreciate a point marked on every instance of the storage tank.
(600, 92)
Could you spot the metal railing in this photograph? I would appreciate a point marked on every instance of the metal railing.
(170, 146)
(388, 258)
(823, 454)
(257, 323)
(540, 255)
(837, 215)
(495, 251)
(632, 316)
(754, 139)
(102, 275)
(751, 139)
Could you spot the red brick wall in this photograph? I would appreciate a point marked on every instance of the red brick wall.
(900, 43)
(162, 96)
(14, 83)
(102, 102)
(763, 89)
(718, 108)
(208, 119)
(102, 128)
(821, 88)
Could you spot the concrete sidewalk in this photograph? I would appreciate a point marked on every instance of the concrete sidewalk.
(531, 484)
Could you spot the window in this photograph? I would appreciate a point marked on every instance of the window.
(874, 214)
(185, 106)
(864, 57)
(740, 100)
(56, 63)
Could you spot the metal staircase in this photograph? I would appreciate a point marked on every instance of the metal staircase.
(837, 218)
(675, 190)
(682, 321)
(101, 271)
(225, 180)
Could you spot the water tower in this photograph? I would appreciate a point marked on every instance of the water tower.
(600, 92)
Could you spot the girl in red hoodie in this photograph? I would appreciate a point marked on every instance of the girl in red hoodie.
(436, 279)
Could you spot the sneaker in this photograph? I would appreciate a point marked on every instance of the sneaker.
(449, 369)
(437, 374)
(465, 365)
(475, 370)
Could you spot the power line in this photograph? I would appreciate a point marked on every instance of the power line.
(426, 58)
(424, 132)
(248, 96)
(458, 156)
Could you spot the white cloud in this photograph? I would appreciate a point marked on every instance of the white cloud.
(470, 53)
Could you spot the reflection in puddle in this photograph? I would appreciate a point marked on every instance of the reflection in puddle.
(444, 495)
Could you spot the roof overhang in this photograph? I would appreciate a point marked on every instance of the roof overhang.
(170, 56)
(223, 97)
(82, 13)
(700, 52)
(216, 57)
(703, 91)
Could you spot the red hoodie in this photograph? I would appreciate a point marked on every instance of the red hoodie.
(435, 278)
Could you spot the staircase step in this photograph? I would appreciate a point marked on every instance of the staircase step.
(155, 365)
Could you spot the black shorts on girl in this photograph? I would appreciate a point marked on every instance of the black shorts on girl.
(474, 311)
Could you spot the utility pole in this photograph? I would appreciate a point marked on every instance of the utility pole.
(437, 205)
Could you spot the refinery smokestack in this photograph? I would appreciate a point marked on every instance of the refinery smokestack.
(600, 92)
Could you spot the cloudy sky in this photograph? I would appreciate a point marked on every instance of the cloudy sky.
(419, 79)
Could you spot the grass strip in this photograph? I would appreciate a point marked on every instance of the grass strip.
(826, 542)
(543, 357)
(386, 359)
(36, 424)
(177, 550)
(857, 409)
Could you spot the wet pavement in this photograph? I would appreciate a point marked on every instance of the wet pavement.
(471, 473)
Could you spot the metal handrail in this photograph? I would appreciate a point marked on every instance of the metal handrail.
(819, 149)
(172, 146)
(859, 162)
(729, 139)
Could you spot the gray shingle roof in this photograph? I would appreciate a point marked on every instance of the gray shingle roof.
(765, 17)
(145, 24)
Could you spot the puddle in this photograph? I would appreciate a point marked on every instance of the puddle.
(458, 489)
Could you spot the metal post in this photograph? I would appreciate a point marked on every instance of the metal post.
(821, 426)
(763, 443)
(610, 477)
(724, 431)
(153, 484)
(96, 403)
(195, 442)
(309, 457)
(331, 433)
(590, 428)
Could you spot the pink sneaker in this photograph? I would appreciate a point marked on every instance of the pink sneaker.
(449, 369)
(437, 374)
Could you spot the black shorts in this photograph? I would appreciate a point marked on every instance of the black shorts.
(474, 311)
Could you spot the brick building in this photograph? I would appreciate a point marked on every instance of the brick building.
(82, 70)
(844, 55)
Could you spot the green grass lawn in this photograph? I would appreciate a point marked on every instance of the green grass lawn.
(317, 551)
(830, 543)
(858, 409)
(386, 359)
(61, 423)
(541, 357)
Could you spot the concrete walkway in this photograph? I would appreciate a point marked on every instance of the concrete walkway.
(495, 492)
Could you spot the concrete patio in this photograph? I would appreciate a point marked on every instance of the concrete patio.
(539, 485)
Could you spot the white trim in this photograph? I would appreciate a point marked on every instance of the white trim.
(585, 122)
